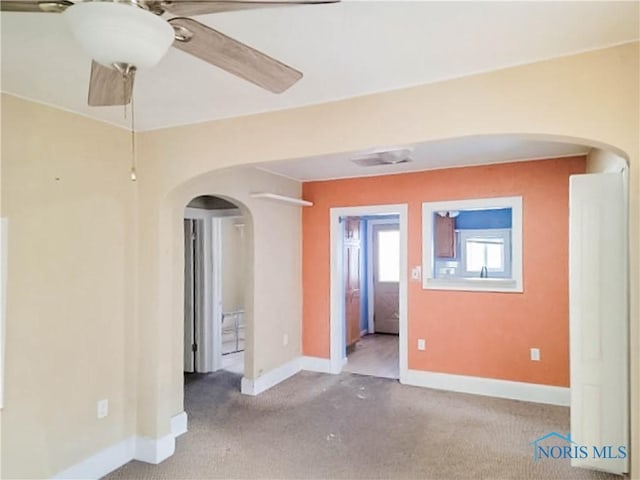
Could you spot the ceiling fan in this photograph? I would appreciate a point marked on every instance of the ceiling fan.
(122, 36)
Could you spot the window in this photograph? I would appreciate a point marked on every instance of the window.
(389, 256)
(484, 253)
(473, 244)
(485, 249)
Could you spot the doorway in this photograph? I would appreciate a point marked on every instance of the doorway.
(214, 257)
(371, 258)
(369, 290)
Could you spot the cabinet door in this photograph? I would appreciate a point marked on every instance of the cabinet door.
(445, 237)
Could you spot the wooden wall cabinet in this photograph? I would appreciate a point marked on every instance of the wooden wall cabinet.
(445, 236)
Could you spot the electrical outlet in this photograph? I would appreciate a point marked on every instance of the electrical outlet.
(422, 344)
(103, 408)
(285, 340)
(535, 354)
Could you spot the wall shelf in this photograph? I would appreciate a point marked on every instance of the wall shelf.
(283, 198)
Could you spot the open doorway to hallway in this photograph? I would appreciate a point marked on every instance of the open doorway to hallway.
(371, 259)
(214, 271)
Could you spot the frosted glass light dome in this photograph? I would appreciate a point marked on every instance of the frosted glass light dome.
(120, 33)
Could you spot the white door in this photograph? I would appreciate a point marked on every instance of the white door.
(598, 319)
(195, 349)
(386, 278)
(189, 297)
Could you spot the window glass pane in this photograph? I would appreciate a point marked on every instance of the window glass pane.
(389, 256)
(485, 252)
(475, 256)
(495, 256)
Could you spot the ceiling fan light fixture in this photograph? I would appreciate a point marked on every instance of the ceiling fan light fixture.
(120, 33)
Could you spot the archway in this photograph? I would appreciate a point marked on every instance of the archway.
(214, 279)
(215, 179)
(272, 245)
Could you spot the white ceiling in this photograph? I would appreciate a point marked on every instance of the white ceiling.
(345, 50)
(457, 152)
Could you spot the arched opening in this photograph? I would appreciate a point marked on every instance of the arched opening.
(271, 246)
(261, 211)
(594, 216)
(215, 275)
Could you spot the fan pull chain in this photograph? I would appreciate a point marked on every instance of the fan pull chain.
(133, 143)
(124, 94)
(125, 78)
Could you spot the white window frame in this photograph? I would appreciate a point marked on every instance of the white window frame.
(513, 284)
(500, 233)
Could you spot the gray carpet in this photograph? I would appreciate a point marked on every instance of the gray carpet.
(351, 426)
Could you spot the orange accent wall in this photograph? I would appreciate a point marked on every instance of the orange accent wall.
(481, 334)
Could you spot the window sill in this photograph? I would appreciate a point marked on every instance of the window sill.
(473, 284)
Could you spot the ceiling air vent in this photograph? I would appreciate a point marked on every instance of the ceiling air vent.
(392, 157)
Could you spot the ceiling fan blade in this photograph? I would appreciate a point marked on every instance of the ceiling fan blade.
(233, 56)
(108, 87)
(55, 6)
(202, 7)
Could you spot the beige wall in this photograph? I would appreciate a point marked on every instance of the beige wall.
(70, 327)
(2, 304)
(71, 337)
(591, 98)
(273, 302)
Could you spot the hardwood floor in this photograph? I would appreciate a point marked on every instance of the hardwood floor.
(375, 355)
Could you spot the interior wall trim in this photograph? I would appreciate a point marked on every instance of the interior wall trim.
(145, 449)
(316, 364)
(491, 387)
(179, 424)
(155, 450)
(267, 380)
(103, 462)
(337, 347)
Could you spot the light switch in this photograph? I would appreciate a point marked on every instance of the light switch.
(422, 344)
(535, 354)
(416, 273)
(103, 408)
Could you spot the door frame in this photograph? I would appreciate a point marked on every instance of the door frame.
(204, 334)
(337, 341)
(370, 282)
(207, 336)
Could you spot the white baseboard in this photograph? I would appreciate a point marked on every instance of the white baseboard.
(277, 375)
(271, 378)
(338, 364)
(145, 449)
(155, 450)
(528, 392)
(103, 462)
(179, 424)
(315, 364)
